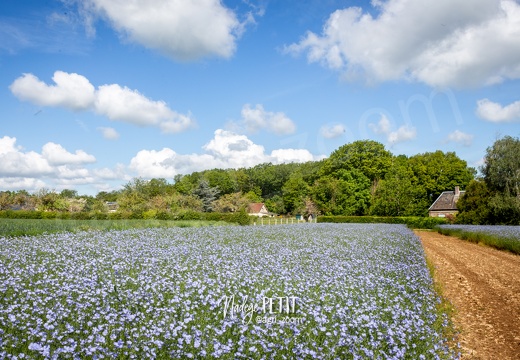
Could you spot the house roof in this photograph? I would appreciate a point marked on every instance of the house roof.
(446, 201)
(255, 207)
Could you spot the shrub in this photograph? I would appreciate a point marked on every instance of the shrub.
(149, 214)
(241, 218)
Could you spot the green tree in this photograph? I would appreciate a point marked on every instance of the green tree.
(396, 195)
(206, 194)
(437, 171)
(231, 202)
(68, 194)
(473, 205)
(294, 191)
(276, 205)
(502, 166)
(179, 202)
(368, 156)
(221, 179)
(345, 193)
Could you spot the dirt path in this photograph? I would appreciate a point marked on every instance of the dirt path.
(483, 284)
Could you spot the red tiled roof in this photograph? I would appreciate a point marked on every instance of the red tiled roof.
(255, 207)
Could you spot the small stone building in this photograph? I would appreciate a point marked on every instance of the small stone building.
(446, 203)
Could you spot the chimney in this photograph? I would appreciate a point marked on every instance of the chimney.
(457, 191)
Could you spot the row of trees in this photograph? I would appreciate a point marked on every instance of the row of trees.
(360, 178)
(495, 197)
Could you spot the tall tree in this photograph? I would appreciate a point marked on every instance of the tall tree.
(206, 194)
(345, 193)
(294, 191)
(396, 195)
(502, 166)
(439, 171)
(368, 156)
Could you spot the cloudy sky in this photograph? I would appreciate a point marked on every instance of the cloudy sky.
(96, 92)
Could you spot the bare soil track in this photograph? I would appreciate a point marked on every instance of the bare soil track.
(483, 285)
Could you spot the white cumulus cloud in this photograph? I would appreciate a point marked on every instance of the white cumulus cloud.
(109, 133)
(54, 161)
(441, 43)
(492, 111)
(461, 138)
(403, 133)
(226, 150)
(16, 163)
(73, 91)
(53, 167)
(183, 30)
(332, 131)
(257, 118)
(382, 127)
(56, 154)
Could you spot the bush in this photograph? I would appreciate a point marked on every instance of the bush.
(188, 215)
(20, 214)
(241, 218)
(98, 215)
(164, 215)
(149, 214)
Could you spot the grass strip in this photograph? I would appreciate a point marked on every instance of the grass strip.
(497, 242)
(31, 227)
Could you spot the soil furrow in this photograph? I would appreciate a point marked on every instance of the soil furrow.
(483, 285)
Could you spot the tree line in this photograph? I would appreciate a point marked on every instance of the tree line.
(359, 178)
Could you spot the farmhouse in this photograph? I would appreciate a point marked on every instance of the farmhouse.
(446, 203)
(258, 209)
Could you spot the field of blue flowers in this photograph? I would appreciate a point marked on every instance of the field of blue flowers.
(291, 291)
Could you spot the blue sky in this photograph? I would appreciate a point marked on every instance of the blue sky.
(96, 92)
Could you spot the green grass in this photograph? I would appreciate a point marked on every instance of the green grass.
(495, 241)
(22, 227)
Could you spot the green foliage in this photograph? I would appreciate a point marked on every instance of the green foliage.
(438, 171)
(232, 202)
(474, 204)
(502, 166)
(294, 192)
(276, 205)
(206, 194)
(369, 157)
(345, 193)
(241, 218)
(414, 222)
(496, 199)
(504, 209)
(222, 180)
(396, 195)
(271, 178)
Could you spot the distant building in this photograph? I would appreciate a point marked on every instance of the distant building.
(112, 206)
(258, 209)
(446, 203)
